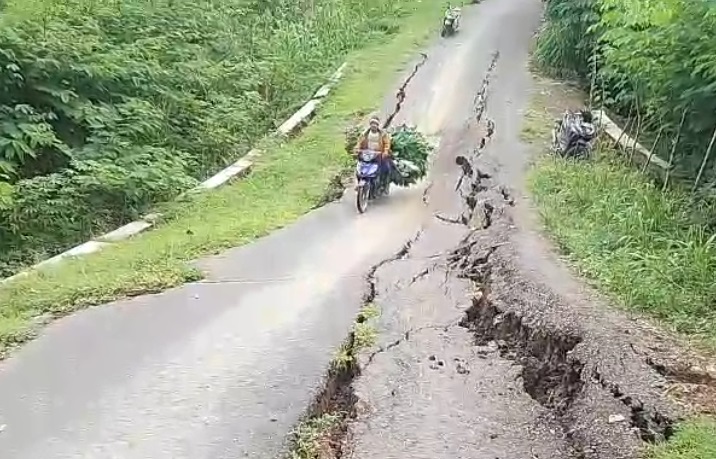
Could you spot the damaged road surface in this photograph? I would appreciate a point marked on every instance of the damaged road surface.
(225, 368)
(485, 346)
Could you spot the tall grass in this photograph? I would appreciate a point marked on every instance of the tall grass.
(648, 248)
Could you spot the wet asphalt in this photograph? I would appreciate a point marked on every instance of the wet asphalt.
(488, 347)
(426, 390)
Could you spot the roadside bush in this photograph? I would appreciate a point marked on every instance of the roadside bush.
(110, 106)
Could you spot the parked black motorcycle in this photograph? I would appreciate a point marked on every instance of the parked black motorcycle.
(573, 136)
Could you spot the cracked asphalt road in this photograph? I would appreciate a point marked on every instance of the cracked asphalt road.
(488, 347)
(225, 368)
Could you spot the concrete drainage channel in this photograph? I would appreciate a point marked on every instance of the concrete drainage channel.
(558, 368)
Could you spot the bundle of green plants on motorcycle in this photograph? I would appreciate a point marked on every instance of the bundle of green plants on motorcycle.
(409, 148)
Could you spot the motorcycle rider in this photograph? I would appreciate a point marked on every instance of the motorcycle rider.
(377, 140)
(452, 12)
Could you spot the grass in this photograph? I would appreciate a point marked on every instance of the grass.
(287, 182)
(312, 437)
(693, 440)
(365, 335)
(639, 244)
(365, 331)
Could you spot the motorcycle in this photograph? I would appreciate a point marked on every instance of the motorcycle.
(451, 22)
(371, 184)
(573, 136)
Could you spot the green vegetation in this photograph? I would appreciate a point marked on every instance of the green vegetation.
(651, 247)
(109, 107)
(646, 247)
(365, 333)
(652, 250)
(409, 147)
(651, 57)
(312, 437)
(364, 336)
(289, 180)
(692, 440)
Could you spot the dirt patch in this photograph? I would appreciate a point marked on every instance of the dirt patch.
(691, 383)
(336, 187)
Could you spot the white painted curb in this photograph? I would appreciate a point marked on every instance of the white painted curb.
(239, 169)
(618, 134)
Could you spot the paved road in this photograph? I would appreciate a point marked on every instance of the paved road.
(224, 368)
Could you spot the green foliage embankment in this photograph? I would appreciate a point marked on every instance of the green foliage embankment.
(646, 247)
(110, 106)
(652, 247)
(650, 57)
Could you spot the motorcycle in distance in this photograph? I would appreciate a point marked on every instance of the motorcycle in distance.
(451, 22)
(573, 135)
(371, 184)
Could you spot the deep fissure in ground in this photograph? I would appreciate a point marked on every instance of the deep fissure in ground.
(336, 401)
(550, 375)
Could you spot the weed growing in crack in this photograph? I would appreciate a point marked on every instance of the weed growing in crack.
(321, 434)
(369, 311)
(313, 437)
(365, 336)
(343, 360)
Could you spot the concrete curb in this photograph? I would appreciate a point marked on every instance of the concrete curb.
(239, 169)
(626, 142)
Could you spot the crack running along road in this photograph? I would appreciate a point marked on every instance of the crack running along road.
(222, 369)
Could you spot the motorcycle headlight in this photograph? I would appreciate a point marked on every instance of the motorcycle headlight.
(367, 156)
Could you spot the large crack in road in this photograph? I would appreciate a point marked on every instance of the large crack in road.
(475, 358)
(468, 345)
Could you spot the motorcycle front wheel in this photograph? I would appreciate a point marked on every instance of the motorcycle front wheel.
(362, 195)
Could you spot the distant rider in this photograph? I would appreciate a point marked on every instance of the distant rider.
(377, 140)
(453, 12)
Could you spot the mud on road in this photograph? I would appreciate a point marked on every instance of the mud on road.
(486, 346)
